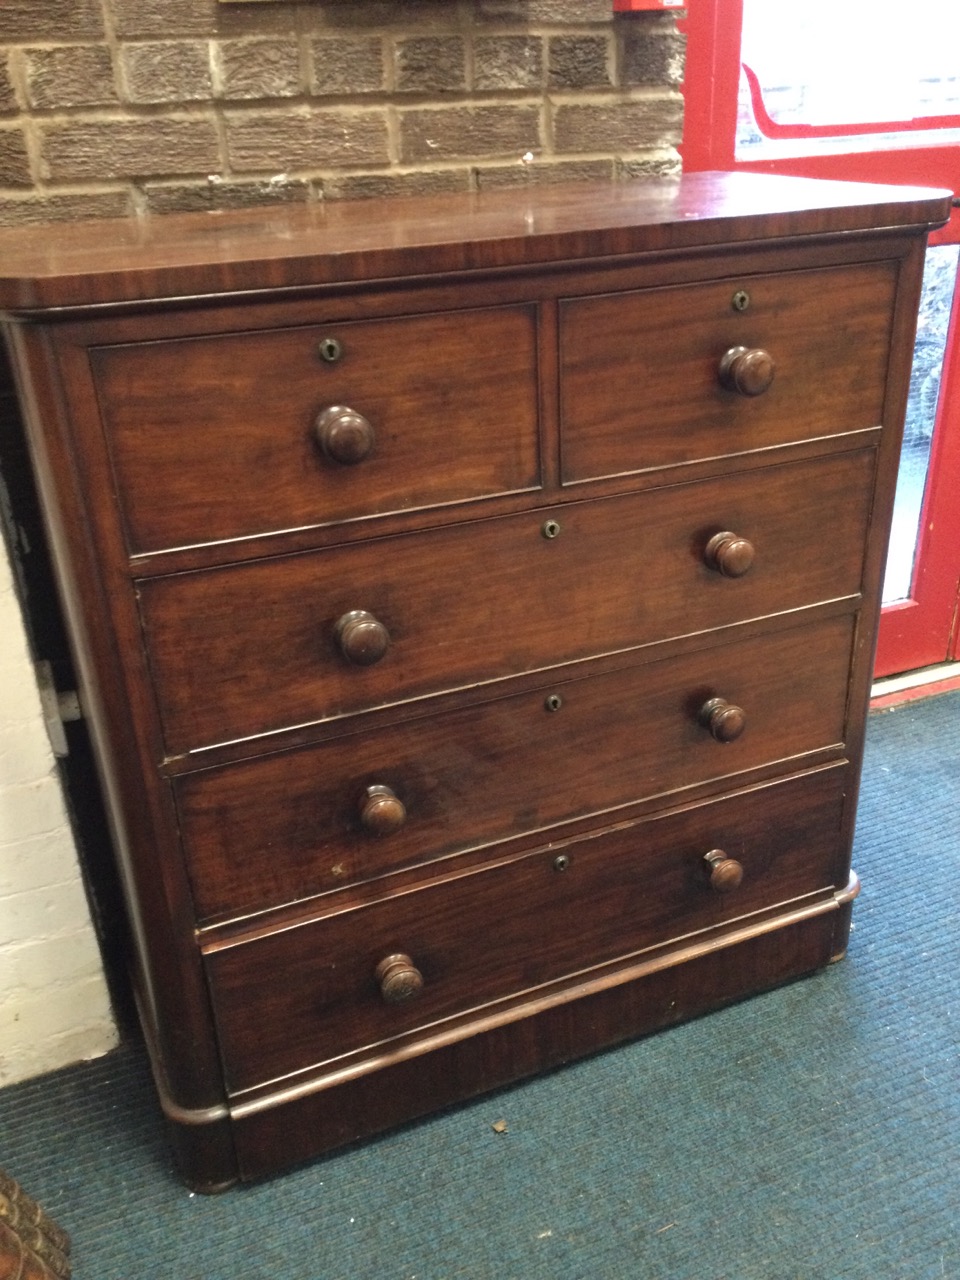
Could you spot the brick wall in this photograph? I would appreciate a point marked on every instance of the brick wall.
(116, 106)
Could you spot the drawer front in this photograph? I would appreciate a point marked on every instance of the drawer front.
(248, 649)
(312, 993)
(235, 449)
(640, 372)
(290, 825)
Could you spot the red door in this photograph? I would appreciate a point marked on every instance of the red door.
(839, 89)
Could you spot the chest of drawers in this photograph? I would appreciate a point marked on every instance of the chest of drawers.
(474, 601)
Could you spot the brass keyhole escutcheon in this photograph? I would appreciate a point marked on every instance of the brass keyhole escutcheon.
(740, 300)
(330, 350)
(553, 702)
(551, 529)
(561, 862)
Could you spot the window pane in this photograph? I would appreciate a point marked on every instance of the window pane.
(875, 66)
(939, 280)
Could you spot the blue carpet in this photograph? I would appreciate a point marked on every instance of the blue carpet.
(809, 1134)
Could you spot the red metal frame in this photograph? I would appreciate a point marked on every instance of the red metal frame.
(771, 129)
(925, 629)
(712, 81)
(634, 6)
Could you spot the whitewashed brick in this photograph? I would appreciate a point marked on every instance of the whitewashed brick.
(31, 809)
(51, 964)
(21, 697)
(39, 863)
(41, 913)
(51, 1028)
(54, 1006)
(25, 753)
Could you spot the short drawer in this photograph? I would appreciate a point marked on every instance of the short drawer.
(318, 991)
(641, 383)
(299, 823)
(229, 436)
(254, 648)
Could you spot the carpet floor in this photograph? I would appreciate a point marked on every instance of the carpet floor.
(812, 1133)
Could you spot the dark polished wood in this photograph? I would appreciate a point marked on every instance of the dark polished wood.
(284, 826)
(362, 638)
(447, 583)
(381, 811)
(444, 609)
(399, 978)
(446, 1070)
(729, 554)
(829, 377)
(240, 455)
(344, 435)
(726, 874)
(725, 720)
(748, 371)
(337, 242)
(506, 930)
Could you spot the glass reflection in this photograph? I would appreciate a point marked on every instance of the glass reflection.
(939, 279)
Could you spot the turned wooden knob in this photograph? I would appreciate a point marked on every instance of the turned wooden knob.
(381, 810)
(724, 720)
(399, 978)
(729, 554)
(747, 370)
(725, 873)
(362, 638)
(344, 435)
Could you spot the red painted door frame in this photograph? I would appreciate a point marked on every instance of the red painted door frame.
(924, 629)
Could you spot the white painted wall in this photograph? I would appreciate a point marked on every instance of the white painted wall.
(54, 1006)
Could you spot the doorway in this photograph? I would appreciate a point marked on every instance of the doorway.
(857, 89)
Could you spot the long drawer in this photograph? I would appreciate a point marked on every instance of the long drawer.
(641, 379)
(297, 823)
(254, 648)
(314, 993)
(224, 437)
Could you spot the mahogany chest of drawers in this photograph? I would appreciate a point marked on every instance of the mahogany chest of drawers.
(475, 601)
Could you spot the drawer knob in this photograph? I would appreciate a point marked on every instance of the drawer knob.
(399, 978)
(362, 638)
(725, 721)
(381, 810)
(344, 435)
(725, 873)
(729, 554)
(747, 370)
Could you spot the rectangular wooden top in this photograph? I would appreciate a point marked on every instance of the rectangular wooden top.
(121, 261)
